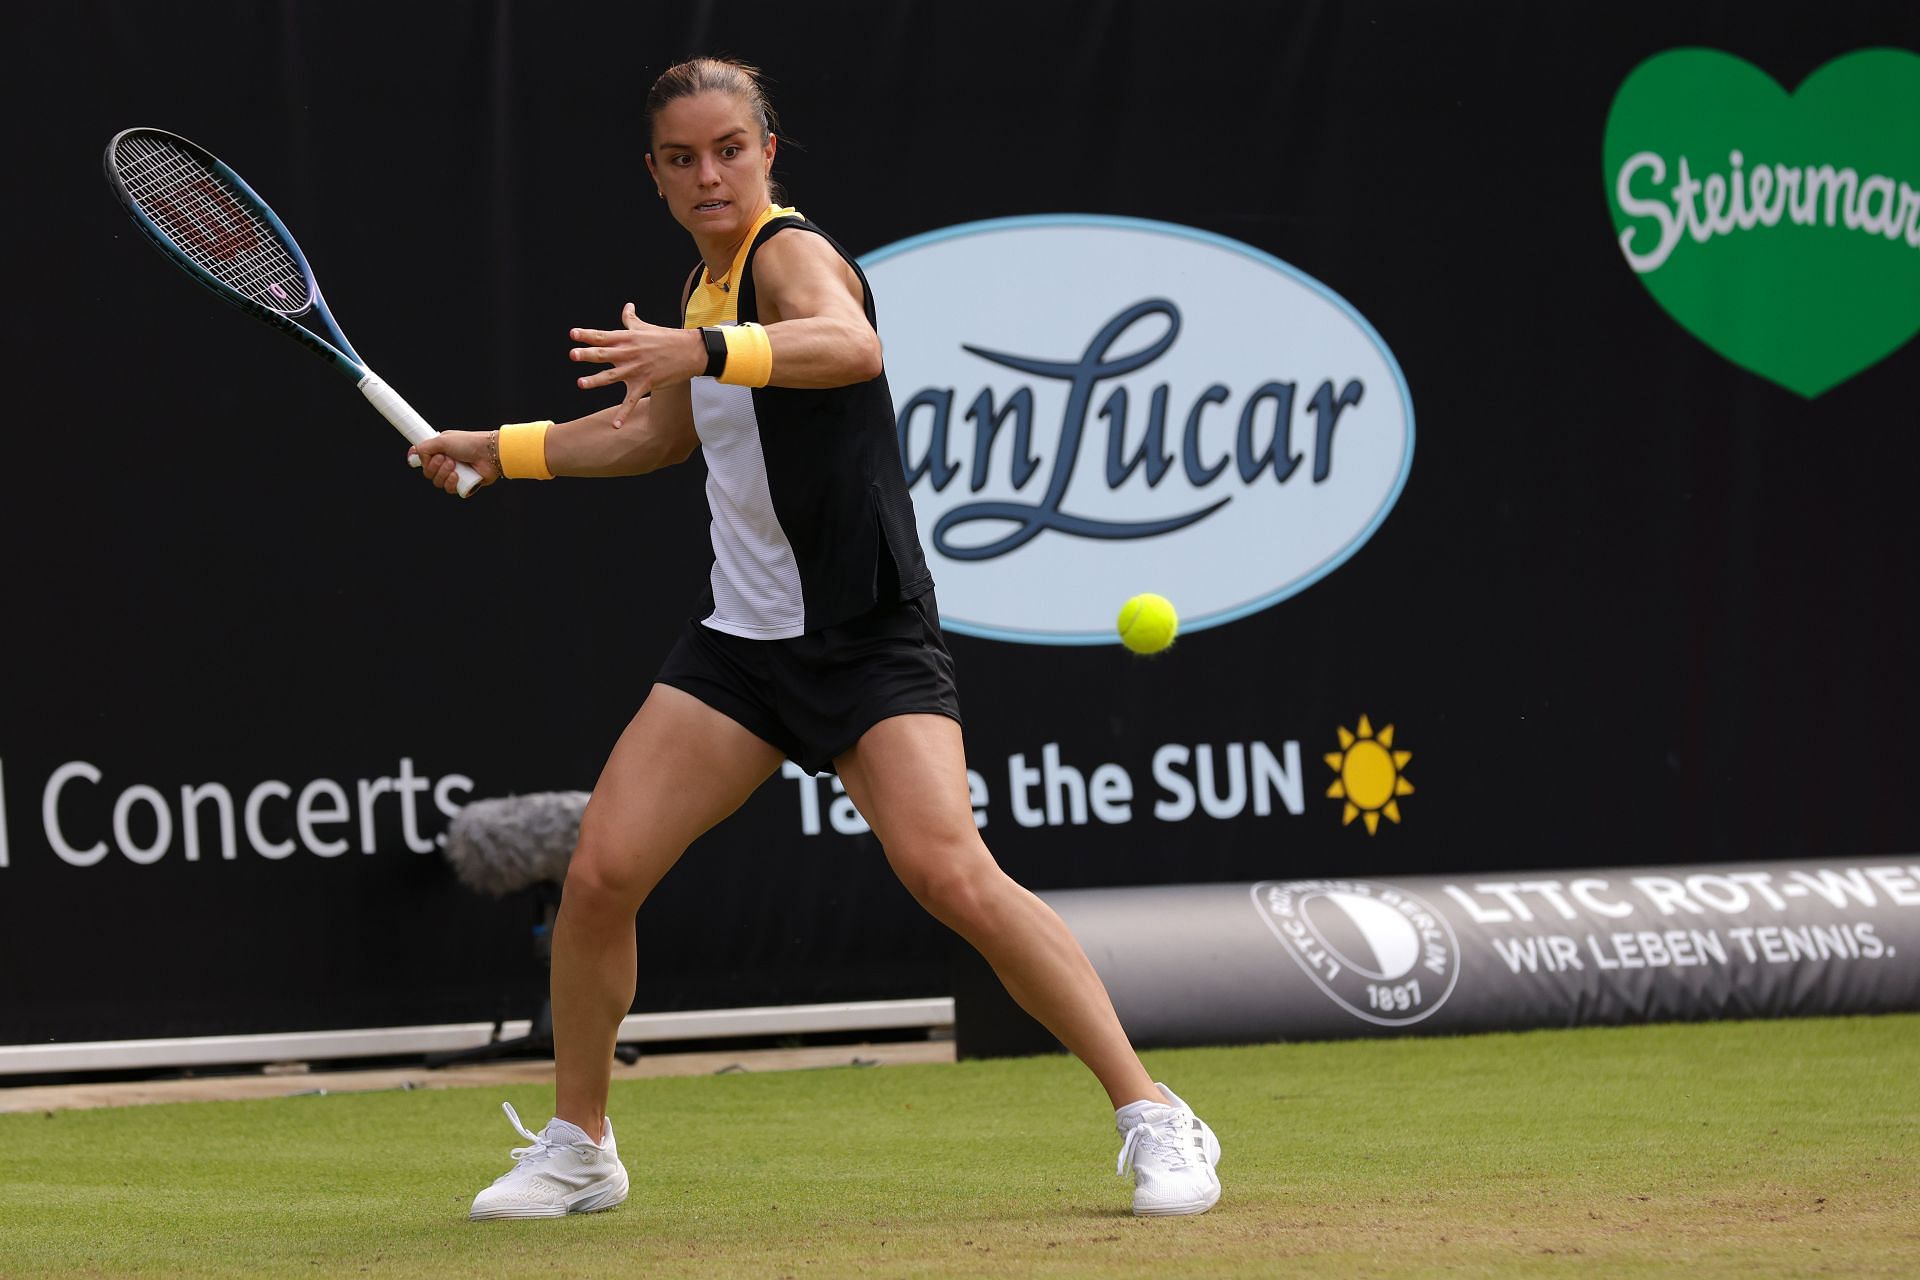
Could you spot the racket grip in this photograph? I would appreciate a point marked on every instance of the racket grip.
(410, 424)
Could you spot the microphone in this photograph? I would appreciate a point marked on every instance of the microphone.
(504, 845)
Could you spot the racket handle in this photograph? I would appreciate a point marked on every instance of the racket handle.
(411, 425)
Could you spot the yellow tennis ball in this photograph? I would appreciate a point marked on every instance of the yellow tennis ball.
(1148, 623)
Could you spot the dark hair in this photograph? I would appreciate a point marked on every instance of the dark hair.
(715, 75)
(711, 75)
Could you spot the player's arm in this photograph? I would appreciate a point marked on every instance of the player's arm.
(598, 444)
(809, 299)
(642, 433)
(651, 428)
(810, 307)
(658, 433)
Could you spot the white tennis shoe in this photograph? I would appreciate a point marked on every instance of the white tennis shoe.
(562, 1172)
(1172, 1155)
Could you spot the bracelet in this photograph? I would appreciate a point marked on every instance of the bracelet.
(493, 451)
(749, 356)
(716, 342)
(523, 450)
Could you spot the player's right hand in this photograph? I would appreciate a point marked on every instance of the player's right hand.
(438, 456)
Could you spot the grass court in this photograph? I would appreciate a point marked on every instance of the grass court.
(1785, 1148)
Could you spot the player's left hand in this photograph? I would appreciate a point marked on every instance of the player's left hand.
(643, 356)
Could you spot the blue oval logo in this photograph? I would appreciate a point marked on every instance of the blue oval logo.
(1090, 407)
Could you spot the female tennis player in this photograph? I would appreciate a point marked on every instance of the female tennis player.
(820, 642)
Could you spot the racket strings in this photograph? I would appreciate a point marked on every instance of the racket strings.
(216, 227)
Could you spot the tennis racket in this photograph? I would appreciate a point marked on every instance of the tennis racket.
(210, 224)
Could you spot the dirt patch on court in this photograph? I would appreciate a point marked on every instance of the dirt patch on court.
(290, 1080)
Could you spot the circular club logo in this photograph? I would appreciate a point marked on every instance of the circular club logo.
(1090, 407)
(1381, 953)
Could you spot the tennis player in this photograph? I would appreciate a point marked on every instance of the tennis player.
(820, 642)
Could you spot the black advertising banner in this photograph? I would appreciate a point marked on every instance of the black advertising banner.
(1333, 958)
(1515, 401)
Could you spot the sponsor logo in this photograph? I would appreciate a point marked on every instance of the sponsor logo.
(1091, 407)
(1384, 955)
(1780, 229)
(1369, 778)
(86, 815)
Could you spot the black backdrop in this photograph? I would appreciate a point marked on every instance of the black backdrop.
(1634, 605)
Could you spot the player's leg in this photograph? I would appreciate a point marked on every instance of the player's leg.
(678, 769)
(907, 775)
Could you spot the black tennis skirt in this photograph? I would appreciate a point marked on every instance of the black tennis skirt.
(814, 695)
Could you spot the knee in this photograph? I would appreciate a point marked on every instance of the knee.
(960, 887)
(604, 876)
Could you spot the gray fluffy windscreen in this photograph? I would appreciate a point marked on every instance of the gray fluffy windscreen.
(501, 846)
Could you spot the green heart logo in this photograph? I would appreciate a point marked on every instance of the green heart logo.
(1781, 229)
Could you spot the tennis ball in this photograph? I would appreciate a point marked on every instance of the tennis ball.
(1148, 623)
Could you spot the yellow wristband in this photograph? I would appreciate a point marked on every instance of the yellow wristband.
(749, 356)
(523, 451)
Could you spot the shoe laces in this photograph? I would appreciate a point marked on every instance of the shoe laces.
(1166, 1139)
(542, 1146)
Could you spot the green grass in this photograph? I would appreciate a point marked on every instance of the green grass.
(1732, 1149)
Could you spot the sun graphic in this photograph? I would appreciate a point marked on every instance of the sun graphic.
(1369, 780)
